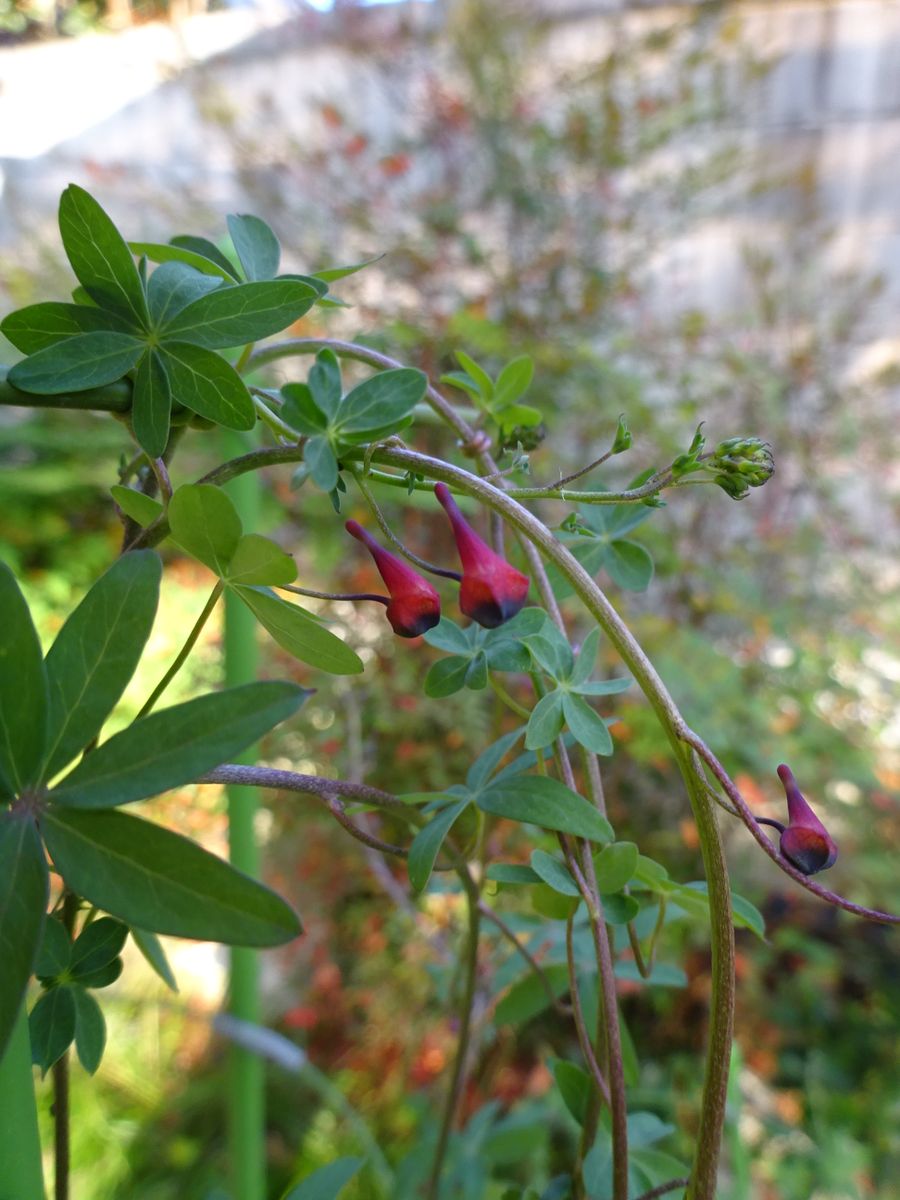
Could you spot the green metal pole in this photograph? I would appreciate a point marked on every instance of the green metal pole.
(247, 1114)
(21, 1171)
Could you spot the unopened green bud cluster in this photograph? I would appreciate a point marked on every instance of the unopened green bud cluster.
(741, 464)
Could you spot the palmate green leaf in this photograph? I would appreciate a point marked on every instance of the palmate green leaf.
(382, 400)
(90, 1030)
(39, 325)
(176, 745)
(51, 1027)
(619, 909)
(488, 760)
(206, 384)
(447, 635)
(198, 253)
(629, 565)
(588, 728)
(477, 672)
(96, 653)
(552, 904)
(447, 676)
(152, 404)
(256, 245)
(99, 256)
(103, 976)
(259, 560)
(97, 946)
(323, 466)
(142, 509)
(204, 521)
(175, 285)
(328, 1182)
(427, 843)
(55, 952)
(546, 721)
(575, 1087)
(23, 690)
(296, 631)
(585, 659)
(243, 313)
(23, 902)
(151, 948)
(158, 880)
(301, 411)
(87, 360)
(325, 383)
(615, 866)
(540, 800)
(512, 382)
(554, 873)
(476, 373)
(514, 874)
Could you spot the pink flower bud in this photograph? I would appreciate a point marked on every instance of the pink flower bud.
(414, 606)
(491, 591)
(806, 842)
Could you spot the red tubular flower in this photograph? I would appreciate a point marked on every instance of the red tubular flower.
(491, 591)
(414, 606)
(806, 842)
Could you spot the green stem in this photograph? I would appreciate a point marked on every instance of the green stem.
(511, 703)
(454, 1093)
(184, 651)
(22, 1177)
(246, 1086)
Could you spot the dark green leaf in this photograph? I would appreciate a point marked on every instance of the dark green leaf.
(650, 873)
(613, 520)
(554, 873)
(97, 946)
(540, 800)
(299, 633)
(206, 384)
(152, 404)
(204, 521)
(447, 635)
(23, 901)
(575, 1086)
(694, 898)
(645, 1128)
(546, 721)
(325, 384)
(619, 909)
(176, 745)
(90, 1030)
(488, 761)
(615, 865)
(528, 997)
(55, 953)
(585, 659)
(99, 256)
(195, 252)
(259, 560)
(96, 653)
(232, 316)
(256, 245)
(446, 676)
(142, 509)
(88, 360)
(603, 687)
(588, 728)
(477, 672)
(512, 382)
(549, 903)
(328, 1182)
(323, 468)
(175, 285)
(552, 651)
(427, 843)
(508, 656)
(662, 975)
(150, 877)
(301, 411)
(628, 565)
(381, 400)
(40, 325)
(151, 948)
(51, 1026)
(103, 976)
(23, 689)
(512, 873)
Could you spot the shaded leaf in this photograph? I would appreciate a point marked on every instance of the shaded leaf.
(299, 633)
(195, 252)
(554, 873)
(323, 467)
(528, 997)
(328, 1182)
(175, 285)
(615, 865)
(588, 728)
(151, 409)
(90, 1030)
(427, 843)
(97, 946)
(23, 689)
(23, 901)
(540, 800)
(575, 1086)
(55, 952)
(87, 360)
(301, 411)
(151, 948)
(51, 1027)
(545, 721)
(629, 565)
(446, 676)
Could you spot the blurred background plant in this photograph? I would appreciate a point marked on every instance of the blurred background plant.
(600, 192)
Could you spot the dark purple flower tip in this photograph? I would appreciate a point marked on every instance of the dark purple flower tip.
(806, 842)
(491, 590)
(414, 606)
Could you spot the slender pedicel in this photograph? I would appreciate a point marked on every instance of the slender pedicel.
(414, 606)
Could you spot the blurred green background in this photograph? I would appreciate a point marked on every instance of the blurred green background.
(654, 205)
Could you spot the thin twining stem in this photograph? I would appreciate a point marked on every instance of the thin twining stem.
(185, 650)
(598, 462)
(645, 965)
(299, 591)
(336, 808)
(746, 815)
(662, 1188)
(422, 563)
(584, 1037)
(561, 1007)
